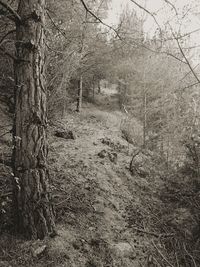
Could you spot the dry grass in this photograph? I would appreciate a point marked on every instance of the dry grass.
(132, 131)
(105, 216)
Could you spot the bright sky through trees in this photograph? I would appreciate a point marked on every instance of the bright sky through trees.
(183, 16)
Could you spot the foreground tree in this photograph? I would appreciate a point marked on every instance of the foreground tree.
(34, 211)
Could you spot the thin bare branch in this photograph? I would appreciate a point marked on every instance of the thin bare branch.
(186, 59)
(7, 53)
(152, 233)
(189, 86)
(182, 36)
(173, 6)
(194, 262)
(8, 132)
(8, 33)
(16, 16)
(160, 52)
(189, 72)
(147, 11)
(164, 258)
(98, 19)
(55, 25)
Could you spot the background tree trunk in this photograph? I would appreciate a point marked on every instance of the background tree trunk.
(80, 95)
(144, 117)
(34, 211)
(99, 86)
(93, 89)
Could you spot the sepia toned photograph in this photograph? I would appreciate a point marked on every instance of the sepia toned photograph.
(99, 133)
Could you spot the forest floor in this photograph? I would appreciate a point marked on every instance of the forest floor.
(104, 213)
(98, 188)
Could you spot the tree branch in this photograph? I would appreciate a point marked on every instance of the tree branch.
(8, 33)
(188, 73)
(56, 26)
(171, 55)
(187, 61)
(12, 56)
(176, 38)
(173, 6)
(160, 52)
(182, 36)
(164, 258)
(7, 53)
(11, 11)
(147, 11)
(98, 19)
(191, 85)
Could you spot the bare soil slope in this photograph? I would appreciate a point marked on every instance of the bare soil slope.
(97, 201)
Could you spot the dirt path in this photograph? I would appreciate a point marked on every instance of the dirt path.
(93, 173)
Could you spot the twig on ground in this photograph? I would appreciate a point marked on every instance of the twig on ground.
(195, 265)
(177, 260)
(157, 262)
(152, 233)
(160, 253)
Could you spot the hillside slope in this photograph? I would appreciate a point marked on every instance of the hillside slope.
(93, 174)
(102, 210)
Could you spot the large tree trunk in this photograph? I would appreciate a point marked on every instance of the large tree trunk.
(34, 212)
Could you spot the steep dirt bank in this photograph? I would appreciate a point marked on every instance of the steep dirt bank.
(91, 190)
(104, 214)
(94, 175)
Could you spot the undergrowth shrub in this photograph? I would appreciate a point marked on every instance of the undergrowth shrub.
(132, 131)
(168, 209)
(192, 159)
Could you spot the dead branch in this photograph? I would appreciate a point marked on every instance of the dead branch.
(171, 55)
(6, 194)
(98, 19)
(137, 153)
(147, 11)
(16, 16)
(152, 233)
(191, 85)
(159, 52)
(188, 73)
(55, 25)
(173, 6)
(8, 33)
(188, 63)
(195, 265)
(162, 255)
(7, 53)
(8, 132)
(183, 35)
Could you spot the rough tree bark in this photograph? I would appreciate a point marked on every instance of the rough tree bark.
(34, 211)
